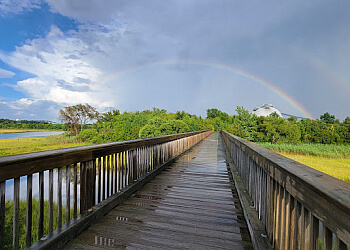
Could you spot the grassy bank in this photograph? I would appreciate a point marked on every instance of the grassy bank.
(330, 159)
(338, 168)
(321, 150)
(29, 145)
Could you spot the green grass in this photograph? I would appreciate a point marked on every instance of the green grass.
(322, 150)
(29, 145)
(35, 219)
(330, 159)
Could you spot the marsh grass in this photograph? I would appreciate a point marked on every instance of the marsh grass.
(322, 150)
(338, 168)
(330, 159)
(29, 145)
(35, 219)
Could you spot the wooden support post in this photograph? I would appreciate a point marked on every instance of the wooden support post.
(16, 192)
(29, 211)
(59, 198)
(41, 205)
(68, 194)
(2, 214)
(50, 215)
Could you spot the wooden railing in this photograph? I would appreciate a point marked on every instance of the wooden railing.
(95, 177)
(300, 208)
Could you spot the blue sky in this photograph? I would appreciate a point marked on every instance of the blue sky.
(175, 55)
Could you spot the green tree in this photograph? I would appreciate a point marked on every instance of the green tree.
(327, 118)
(75, 117)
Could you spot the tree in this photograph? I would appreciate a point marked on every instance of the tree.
(75, 117)
(327, 118)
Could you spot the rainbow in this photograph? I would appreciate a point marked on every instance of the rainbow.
(325, 70)
(236, 71)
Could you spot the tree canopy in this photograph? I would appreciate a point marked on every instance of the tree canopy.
(117, 126)
(76, 116)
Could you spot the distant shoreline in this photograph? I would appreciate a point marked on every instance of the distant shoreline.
(8, 130)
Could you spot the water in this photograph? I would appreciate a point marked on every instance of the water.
(39, 134)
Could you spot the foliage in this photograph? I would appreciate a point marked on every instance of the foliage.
(157, 127)
(327, 118)
(117, 126)
(76, 116)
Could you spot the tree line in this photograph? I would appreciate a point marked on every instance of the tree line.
(117, 126)
(29, 124)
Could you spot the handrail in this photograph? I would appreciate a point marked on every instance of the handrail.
(299, 207)
(96, 173)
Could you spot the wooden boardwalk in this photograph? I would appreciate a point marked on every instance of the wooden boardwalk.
(192, 204)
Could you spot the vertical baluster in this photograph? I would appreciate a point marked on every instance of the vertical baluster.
(50, 216)
(292, 222)
(108, 166)
(115, 173)
(269, 208)
(127, 178)
(327, 238)
(152, 157)
(278, 213)
(75, 191)
(124, 169)
(103, 164)
(147, 160)
(87, 185)
(340, 245)
(112, 173)
(41, 205)
(59, 198)
(119, 171)
(283, 217)
(142, 161)
(82, 185)
(298, 225)
(130, 167)
(67, 194)
(29, 210)
(307, 229)
(314, 232)
(16, 191)
(134, 165)
(92, 182)
(99, 166)
(2, 213)
(302, 228)
(287, 230)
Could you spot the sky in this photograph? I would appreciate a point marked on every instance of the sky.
(187, 55)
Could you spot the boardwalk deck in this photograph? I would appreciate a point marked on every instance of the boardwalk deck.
(192, 204)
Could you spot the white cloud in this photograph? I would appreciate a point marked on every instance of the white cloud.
(6, 74)
(18, 6)
(30, 109)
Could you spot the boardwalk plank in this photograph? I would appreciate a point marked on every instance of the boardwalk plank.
(191, 205)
